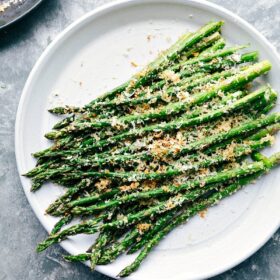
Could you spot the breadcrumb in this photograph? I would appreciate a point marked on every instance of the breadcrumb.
(133, 64)
(102, 184)
(142, 228)
(202, 214)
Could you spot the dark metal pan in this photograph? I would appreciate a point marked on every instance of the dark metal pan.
(13, 10)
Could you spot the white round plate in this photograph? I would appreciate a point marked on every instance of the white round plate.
(96, 53)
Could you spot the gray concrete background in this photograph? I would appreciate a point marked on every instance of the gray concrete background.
(20, 231)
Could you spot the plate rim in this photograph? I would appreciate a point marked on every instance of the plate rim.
(96, 12)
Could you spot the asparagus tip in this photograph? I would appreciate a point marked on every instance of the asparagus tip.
(57, 110)
(35, 187)
(28, 174)
(67, 258)
(275, 159)
(51, 135)
(41, 247)
(37, 154)
(124, 273)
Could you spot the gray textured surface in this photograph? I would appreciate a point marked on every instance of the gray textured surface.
(20, 231)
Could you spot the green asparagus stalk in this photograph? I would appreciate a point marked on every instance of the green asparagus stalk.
(218, 45)
(116, 249)
(90, 227)
(111, 254)
(202, 45)
(239, 151)
(78, 258)
(207, 57)
(173, 125)
(270, 130)
(174, 53)
(260, 157)
(123, 158)
(69, 195)
(174, 108)
(64, 122)
(62, 222)
(184, 43)
(187, 214)
(244, 128)
(102, 240)
(187, 84)
(80, 228)
(196, 208)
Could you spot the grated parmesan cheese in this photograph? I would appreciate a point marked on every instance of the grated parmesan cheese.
(170, 75)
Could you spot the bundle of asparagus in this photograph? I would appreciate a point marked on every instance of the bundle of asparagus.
(170, 142)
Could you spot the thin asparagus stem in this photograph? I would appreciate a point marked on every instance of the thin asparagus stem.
(84, 227)
(187, 214)
(235, 81)
(162, 62)
(191, 147)
(111, 255)
(197, 207)
(100, 161)
(173, 170)
(62, 222)
(102, 240)
(218, 45)
(187, 84)
(68, 196)
(92, 226)
(270, 130)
